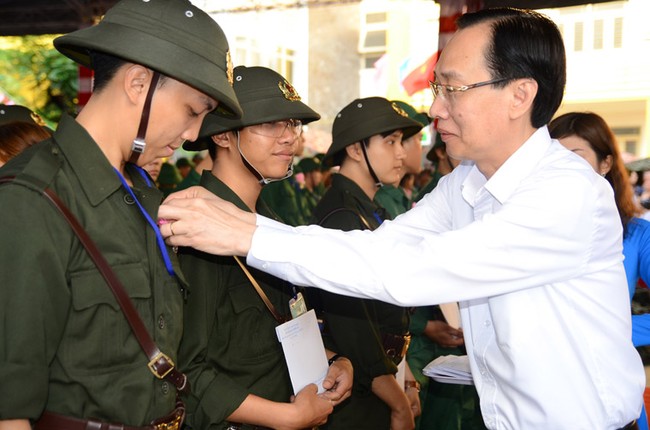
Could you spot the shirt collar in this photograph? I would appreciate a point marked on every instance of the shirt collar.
(217, 187)
(96, 175)
(508, 177)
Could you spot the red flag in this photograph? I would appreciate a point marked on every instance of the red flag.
(85, 86)
(450, 10)
(419, 78)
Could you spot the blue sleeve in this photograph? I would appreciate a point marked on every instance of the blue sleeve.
(641, 330)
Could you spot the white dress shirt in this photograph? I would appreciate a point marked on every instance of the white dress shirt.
(534, 256)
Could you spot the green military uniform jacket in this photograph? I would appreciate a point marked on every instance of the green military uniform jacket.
(193, 178)
(284, 199)
(353, 326)
(230, 348)
(392, 199)
(66, 346)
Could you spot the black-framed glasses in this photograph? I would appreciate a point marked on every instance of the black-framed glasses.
(444, 91)
(276, 129)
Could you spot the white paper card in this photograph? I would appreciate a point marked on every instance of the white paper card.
(303, 351)
(451, 312)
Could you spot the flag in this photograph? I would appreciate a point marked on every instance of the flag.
(419, 78)
(450, 10)
(85, 86)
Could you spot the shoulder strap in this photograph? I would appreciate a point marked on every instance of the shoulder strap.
(160, 364)
(364, 221)
(261, 292)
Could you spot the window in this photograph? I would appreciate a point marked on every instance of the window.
(578, 29)
(618, 32)
(598, 34)
(373, 38)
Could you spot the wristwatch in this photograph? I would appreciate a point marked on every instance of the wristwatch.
(412, 384)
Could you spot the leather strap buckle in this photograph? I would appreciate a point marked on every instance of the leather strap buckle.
(160, 365)
(174, 424)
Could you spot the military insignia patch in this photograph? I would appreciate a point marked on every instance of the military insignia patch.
(399, 110)
(229, 73)
(37, 119)
(288, 91)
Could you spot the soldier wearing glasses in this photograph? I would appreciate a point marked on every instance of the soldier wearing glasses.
(230, 349)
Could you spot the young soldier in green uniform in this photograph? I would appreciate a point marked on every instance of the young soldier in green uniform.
(391, 197)
(231, 351)
(310, 194)
(367, 144)
(69, 359)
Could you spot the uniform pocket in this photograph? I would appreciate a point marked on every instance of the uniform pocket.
(97, 334)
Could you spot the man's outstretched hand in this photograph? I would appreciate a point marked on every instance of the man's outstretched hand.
(195, 217)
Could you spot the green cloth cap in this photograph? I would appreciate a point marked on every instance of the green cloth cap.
(639, 165)
(184, 162)
(309, 164)
(11, 113)
(364, 118)
(420, 117)
(265, 96)
(438, 143)
(172, 37)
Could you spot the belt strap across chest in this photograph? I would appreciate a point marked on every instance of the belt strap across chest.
(160, 364)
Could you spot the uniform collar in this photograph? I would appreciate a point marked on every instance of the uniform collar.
(96, 175)
(219, 188)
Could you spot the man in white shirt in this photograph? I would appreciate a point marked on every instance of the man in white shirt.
(523, 233)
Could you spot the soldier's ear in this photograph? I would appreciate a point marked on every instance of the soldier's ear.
(221, 140)
(137, 79)
(354, 151)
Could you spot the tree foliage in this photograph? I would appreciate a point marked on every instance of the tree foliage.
(36, 75)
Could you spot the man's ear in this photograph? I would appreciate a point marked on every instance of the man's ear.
(221, 139)
(137, 79)
(354, 151)
(523, 96)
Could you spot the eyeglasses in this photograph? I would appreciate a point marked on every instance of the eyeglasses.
(447, 91)
(276, 129)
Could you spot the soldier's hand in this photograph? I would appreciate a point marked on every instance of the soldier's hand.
(338, 381)
(310, 409)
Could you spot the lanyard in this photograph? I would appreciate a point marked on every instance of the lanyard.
(159, 238)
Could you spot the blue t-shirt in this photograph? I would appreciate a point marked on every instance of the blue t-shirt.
(636, 248)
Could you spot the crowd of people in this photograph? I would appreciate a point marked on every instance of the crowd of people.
(142, 290)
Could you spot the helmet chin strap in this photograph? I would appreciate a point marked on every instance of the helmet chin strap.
(138, 143)
(262, 180)
(375, 178)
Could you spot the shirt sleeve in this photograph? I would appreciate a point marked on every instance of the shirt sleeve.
(542, 233)
(214, 395)
(35, 300)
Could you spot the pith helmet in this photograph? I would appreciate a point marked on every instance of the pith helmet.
(11, 113)
(367, 117)
(309, 164)
(265, 96)
(420, 117)
(172, 37)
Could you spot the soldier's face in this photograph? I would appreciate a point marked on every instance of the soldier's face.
(386, 155)
(271, 156)
(177, 112)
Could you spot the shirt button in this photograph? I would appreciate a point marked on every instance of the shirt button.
(487, 323)
(165, 388)
(161, 322)
(128, 199)
(265, 265)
